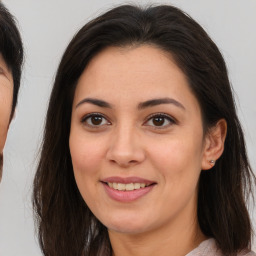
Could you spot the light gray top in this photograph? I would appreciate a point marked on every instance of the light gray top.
(209, 248)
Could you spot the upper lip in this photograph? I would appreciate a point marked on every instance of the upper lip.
(127, 180)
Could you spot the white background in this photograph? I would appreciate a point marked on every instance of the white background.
(46, 27)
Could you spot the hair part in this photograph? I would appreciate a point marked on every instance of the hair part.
(66, 225)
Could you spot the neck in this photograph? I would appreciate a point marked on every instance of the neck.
(171, 239)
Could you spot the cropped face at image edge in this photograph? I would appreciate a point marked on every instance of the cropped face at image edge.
(137, 142)
(6, 92)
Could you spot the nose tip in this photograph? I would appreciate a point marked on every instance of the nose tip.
(125, 151)
(124, 164)
(125, 156)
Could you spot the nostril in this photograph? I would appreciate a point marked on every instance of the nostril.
(123, 164)
(125, 155)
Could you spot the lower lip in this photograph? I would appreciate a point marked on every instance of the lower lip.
(127, 196)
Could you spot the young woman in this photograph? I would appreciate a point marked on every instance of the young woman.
(143, 153)
(11, 59)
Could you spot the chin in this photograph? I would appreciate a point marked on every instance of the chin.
(128, 225)
(125, 229)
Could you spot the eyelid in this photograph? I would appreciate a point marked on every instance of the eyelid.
(87, 116)
(168, 117)
(171, 119)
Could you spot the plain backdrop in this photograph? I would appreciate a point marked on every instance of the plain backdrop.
(46, 27)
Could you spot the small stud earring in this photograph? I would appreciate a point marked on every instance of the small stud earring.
(212, 162)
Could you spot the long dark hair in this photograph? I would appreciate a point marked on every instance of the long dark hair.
(11, 49)
(66, 226)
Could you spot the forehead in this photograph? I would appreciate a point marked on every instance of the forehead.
(128, 67)
(139, 73)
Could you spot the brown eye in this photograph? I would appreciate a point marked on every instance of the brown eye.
(95, 120)
(160, 120)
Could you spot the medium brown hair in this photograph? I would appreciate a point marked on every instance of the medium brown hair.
(66, 226)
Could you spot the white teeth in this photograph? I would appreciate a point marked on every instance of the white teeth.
(115, 185)
(120, 186)
(128, 187)
(137, 185)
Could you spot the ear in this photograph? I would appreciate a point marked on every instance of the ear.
(214, 144)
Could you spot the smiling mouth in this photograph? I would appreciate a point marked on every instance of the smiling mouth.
(127, 187)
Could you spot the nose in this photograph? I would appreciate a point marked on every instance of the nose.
(125, 148)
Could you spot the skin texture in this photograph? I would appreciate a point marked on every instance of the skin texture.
(6, 92)
(127, 143)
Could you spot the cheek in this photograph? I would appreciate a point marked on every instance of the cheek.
(177, 152)
(85, 160)
(3, 134)
(178, 165)
(85, 156)
(178, 160)
(5, 112)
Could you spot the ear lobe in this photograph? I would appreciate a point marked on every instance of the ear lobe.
(214, 144)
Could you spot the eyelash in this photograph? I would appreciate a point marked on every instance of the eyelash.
(91, 115)
(169, 119)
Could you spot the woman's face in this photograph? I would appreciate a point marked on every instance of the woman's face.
(136, 140)
(6, 92)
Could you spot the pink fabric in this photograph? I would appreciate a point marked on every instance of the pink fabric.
(209, 248)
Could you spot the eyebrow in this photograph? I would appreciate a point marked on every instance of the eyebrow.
(155, 102)
(142, 105)
(97, 102)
